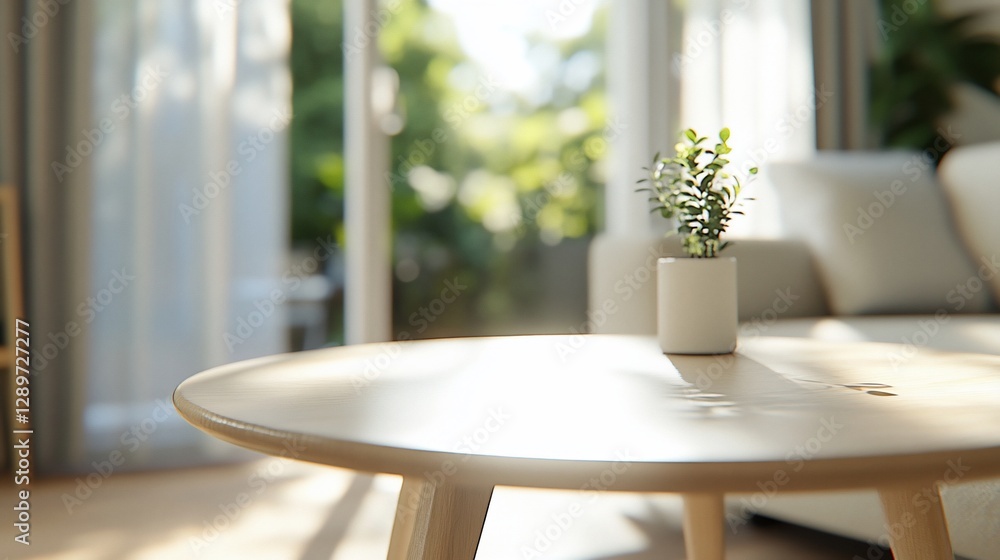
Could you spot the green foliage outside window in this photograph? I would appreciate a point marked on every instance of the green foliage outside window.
(923, 56)
(482, 181)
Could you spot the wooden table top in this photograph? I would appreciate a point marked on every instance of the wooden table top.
(556, 411)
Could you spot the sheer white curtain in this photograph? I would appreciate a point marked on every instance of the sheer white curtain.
(747, 64)
(191, 102)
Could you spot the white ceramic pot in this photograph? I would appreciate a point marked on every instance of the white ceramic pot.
(696, 305)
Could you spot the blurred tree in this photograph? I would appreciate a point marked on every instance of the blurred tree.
(924, 55)
(482, 180)
(317, 131)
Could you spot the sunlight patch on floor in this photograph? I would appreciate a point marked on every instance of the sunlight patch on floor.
(310, 512)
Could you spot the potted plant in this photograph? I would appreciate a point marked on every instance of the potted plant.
(696, 296)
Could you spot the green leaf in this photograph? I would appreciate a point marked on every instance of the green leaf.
(693, 188)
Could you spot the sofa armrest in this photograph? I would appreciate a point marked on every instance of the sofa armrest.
(776, 278)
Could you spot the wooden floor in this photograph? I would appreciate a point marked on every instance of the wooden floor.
(278, 509)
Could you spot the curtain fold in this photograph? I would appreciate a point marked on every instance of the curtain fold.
(845, 39)
(45, 100)
(152, 141)
(747, 65)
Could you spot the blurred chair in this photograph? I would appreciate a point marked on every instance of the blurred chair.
(308, 306)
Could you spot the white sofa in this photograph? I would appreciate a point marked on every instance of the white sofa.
(877, 247)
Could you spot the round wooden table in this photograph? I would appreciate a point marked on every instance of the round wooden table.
(456, 417)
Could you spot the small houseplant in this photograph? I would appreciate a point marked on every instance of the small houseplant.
(696, 296)
(694, 188)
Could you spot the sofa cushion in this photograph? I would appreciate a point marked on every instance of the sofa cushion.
(970, 176)
(879, 228)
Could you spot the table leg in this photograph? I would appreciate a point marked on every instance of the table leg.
(445, 525)
(703, 527)
(916, 524)
(406, 518)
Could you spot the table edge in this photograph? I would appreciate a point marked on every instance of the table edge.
(603, 475)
